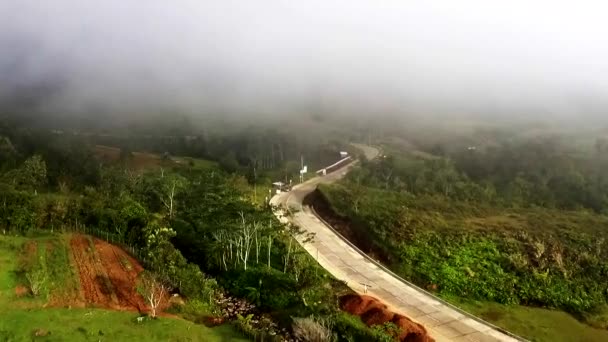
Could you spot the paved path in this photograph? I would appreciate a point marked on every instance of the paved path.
(443, 322)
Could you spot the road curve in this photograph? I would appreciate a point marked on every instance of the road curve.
(345, 262)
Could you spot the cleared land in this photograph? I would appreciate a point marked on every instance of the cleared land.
(139, 160)
(59, 312)
(144, 161)
(108, 275)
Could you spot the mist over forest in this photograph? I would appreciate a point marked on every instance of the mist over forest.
(462, 145)
(119, 61)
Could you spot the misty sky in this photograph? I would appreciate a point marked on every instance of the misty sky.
(538, 57)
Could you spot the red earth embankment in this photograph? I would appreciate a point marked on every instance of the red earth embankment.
(108, 275)
(374, 312)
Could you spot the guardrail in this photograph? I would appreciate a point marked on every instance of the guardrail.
(412, 285)
(399, 278)
(333, 165)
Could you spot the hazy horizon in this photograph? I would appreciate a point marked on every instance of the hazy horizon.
(472, 58)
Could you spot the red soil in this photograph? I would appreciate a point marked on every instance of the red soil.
(21, 291)
(108, 275)
(358, 305)
(122, 270)
(373, 312)
(377, 316)
(410, 331)
(30, 254)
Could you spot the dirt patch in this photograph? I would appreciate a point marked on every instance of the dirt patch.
(410, 330)
(21, 291)
(28, 255)
(105, 281)
(358, 305)
(492, 315)
(359, 237)
(377, 316)
(374, 312)
(120, 274)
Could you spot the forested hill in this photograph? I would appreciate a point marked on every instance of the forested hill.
(201, 228)
(517, 222)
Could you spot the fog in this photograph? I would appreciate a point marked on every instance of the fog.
(460, 58)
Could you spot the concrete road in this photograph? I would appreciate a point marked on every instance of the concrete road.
(345, 262)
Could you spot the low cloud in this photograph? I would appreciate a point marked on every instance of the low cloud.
(516, 58)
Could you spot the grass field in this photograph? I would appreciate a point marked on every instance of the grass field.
(201, 164)
(535, 324)
(102, 325)
(145, 161)
(23, 318)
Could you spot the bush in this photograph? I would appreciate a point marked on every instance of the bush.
(243, 324)
(193, 284)
(194, 310)
(275, 292)
(312, 330)
(350, 328)
(36, 279)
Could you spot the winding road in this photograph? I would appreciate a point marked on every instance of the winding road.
(345, 262)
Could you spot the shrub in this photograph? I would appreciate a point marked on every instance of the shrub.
(243, 324)
(598, 317)
(350, 328)
(36, 280)
(276, 292)
(312, 330)
(194, 284)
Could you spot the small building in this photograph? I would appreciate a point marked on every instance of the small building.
(343, 154)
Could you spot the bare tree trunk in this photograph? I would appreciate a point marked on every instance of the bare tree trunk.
(171, 200)
(169, 205)
(269, 248)
(387, 177)
(154, 292)
(257, 249)
(287, 256)
(230, 250)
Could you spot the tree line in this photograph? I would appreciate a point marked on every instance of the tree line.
(195, 228)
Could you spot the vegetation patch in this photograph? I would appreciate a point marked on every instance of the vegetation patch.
(503, 237)
(375, 314)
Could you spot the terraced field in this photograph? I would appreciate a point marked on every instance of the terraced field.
(88, 294)
(108, 275)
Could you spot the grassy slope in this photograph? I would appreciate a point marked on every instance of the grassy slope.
(104, 325)
(536, 324)
(18, 323)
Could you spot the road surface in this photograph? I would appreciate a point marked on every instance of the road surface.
(345, 262)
